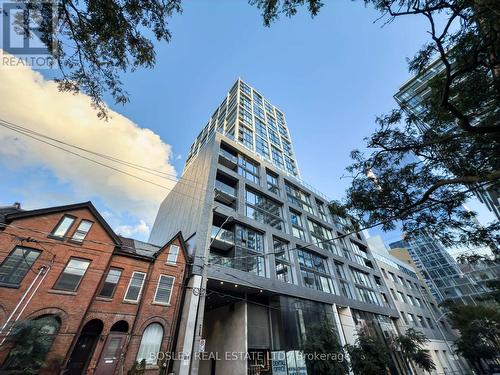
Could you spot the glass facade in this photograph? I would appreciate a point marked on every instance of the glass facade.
(248, 118)
(321, 236)
(263, 210)
(282, 261)
(298, 197)
(314, 271)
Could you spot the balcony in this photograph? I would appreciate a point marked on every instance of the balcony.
(225, 193)
(222, 239)
(227, 159)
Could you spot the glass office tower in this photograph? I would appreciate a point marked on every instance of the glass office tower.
(412, 96)
(441, 272)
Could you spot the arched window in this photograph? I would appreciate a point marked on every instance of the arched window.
(150, 344)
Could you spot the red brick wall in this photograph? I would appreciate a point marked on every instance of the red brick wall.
(70, 307)
(76, 309)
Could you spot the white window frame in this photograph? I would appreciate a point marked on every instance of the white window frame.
(59, 223)
(174, 262)
(171, 290)
(140, 290)
(80, 240)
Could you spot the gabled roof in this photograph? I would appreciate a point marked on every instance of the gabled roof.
(136, 247)
(142, 249)
(180, 237)
(70, 207)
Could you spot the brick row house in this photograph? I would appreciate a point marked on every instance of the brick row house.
(104, 300)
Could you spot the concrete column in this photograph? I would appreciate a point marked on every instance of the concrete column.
(340, 330)
(188, 327)
(348, 325)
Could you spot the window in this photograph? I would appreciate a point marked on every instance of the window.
(109, 286)
(297, 229)
(261, 128)
(411, 319)
(360, 255)
(135, 287)
(339, 270)
(421, 321)
(276, 155)
(393, 277)
(384, 273)
(394, 295)
(282, 260)
(17, 264)
(385, 299)
(72, 275)
(272, 183)
(367, 295)
(321, 235)
(429, 323)
(345, 289)
(314, 271)
(63, 226)
(404, 317)
(249, 244)
(81, 231)
(250, 239)
(164, 289)
(402, 297)
(361, 278)
(258, 111)
(283, 271)
(245, 136)
(290, 166)
(263, 210)
(150, 344)
(173, 253)
(322, 211)
(261, 146)
(298, 197)
(248, 169)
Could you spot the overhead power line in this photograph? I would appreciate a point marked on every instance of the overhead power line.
(197, 198)
(155, 172)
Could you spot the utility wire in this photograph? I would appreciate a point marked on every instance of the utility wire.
(197, 198)
(155, 172)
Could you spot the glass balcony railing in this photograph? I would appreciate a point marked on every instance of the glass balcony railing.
(253, 265)
(221, 186)
(228, 156)
(222, 235)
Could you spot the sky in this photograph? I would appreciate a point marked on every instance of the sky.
(331, 75)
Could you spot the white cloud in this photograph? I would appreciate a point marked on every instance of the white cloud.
(29, 100)
(140, 228)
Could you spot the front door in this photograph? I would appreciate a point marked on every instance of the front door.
(82, 352)
(110, 355)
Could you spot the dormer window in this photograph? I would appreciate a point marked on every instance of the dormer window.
(81, 231)
(173, 254)
(63, 226)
